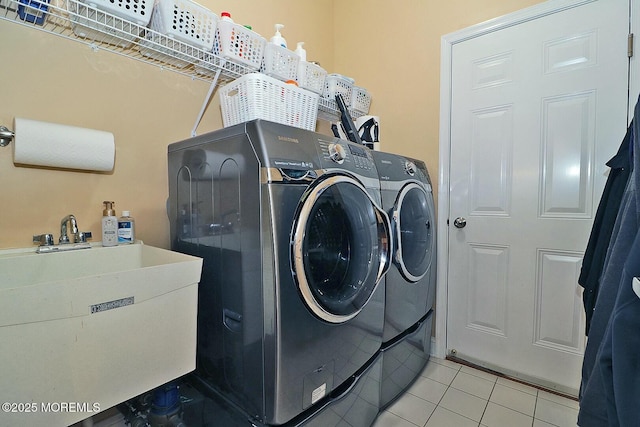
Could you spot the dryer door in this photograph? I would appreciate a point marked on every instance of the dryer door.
(414, 231)
(340, 247)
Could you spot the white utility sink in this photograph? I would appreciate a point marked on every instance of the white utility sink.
(84, 330)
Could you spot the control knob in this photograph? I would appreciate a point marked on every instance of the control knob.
(337, 153)
(410, 168)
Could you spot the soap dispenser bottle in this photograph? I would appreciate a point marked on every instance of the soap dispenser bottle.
(109, 225)
(302, 53)
(277, 38)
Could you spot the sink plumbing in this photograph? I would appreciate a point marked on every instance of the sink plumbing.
(78, 238)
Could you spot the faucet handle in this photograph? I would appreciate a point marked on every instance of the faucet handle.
(83, 236)
(43, 239)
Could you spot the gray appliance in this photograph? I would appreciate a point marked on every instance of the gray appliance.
(410, 283)
(294, 242)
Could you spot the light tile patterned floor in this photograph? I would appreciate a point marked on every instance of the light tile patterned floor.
(448, 394)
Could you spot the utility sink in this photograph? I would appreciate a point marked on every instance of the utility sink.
(82, 331)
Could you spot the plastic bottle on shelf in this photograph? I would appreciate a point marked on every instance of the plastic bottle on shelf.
(225, 16)
(277, 38)
(301, 52)
(126, 228)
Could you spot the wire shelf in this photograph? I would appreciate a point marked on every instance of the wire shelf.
(84, 23)
(101, 30)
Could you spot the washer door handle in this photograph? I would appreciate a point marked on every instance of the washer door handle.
(460, 222)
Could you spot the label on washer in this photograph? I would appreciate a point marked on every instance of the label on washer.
(318, 393)
(291, 164)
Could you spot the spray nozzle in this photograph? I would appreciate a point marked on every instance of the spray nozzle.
(278, 28)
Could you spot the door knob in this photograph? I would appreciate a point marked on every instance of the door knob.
(460, 222)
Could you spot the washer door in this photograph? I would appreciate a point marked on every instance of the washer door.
(340, 247)
(414, 232)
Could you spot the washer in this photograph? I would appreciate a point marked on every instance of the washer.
(295, 244)
(410, 283)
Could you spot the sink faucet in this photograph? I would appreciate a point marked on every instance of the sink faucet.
(64, 238)
(78, 236)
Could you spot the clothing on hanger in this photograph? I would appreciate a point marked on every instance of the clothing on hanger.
(608, 208)
(619, 360)
(593, 405)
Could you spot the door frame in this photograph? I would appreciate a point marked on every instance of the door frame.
(448, 41)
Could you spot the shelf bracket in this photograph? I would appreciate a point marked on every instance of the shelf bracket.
(207, 99)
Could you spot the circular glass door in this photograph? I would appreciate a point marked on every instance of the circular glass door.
(414, 232)
(340, 248)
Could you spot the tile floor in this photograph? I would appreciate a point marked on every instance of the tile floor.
(448, 394)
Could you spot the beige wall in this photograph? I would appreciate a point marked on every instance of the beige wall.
(393, 49)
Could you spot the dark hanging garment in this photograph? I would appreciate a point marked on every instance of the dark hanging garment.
(620, 350)
(603, 223)
(593, 398)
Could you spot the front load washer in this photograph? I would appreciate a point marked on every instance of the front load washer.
(295, 243)
(410, 283)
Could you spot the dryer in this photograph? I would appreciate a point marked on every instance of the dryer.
(407, 197)
(295, 243)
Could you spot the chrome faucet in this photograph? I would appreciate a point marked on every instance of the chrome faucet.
(78, 236)
(64, 238)
(45, 241)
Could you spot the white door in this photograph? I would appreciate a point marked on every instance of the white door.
(536, 111)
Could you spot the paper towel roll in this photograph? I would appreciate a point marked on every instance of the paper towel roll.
(59, 146)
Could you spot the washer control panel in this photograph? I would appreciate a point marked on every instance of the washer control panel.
(347, 155)
(360, 157)
(337, 153)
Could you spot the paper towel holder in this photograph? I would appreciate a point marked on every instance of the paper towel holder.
(5, 136)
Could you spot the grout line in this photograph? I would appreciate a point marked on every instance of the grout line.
(487, 404)
(533, 417)
(479, 423)
(536, 395)
(501, 375)
(556, 402)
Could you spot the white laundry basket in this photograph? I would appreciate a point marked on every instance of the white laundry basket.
(338, 84)
(280, 62)
(239, 44)
(258, 96)
(311, 76)
(186, 21)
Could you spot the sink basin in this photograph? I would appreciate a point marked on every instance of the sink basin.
(81, 331)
